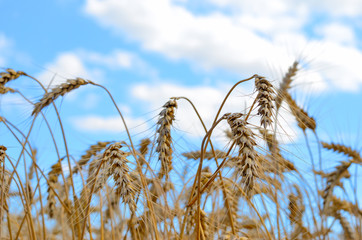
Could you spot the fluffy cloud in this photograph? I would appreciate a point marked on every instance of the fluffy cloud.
(66, 66)
(337, 33)
(112, 124)
(88, 65)
(349, 8)
(255, 35)
(211, 41)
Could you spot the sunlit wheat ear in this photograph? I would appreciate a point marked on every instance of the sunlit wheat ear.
(333, 179)
(285, 84)
(343, 149)
(247, 165)
(115, 163)
(92, 151)
(59, 90)
(302, 117)
(9, 75)
(164, 140)
(265, 99)
(52, 181)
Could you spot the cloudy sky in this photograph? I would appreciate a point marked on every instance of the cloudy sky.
(148, 51)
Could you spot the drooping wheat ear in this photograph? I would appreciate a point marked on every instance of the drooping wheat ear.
(285, 84)
(247, 164)
(265, 99)
(59, 90)
(9, 75)
(343, 149)
(304, 120)
(164, 140)
(143, 149)
(52, 181)
(92, 151)
(333, 179)
(115, 163)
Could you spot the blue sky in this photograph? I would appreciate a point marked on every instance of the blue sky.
(148, 51)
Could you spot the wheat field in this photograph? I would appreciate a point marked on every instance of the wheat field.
(253, 187)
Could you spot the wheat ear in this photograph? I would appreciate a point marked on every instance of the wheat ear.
(333, 179)
(285, 84)
(247, 165)
(115, 163)
(59, 90)
(343, 149)
(9, 75)
(304, 120)
(265, 100)
(164, 140)
(92, 151)
(52, 181)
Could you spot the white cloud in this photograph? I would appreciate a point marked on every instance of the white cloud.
(342, 65)
(90, 65)
(258, 33)
(349, 8)
(337, 33)
(114, 60)
(66, 66)
(112, 124)
(211, 41)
